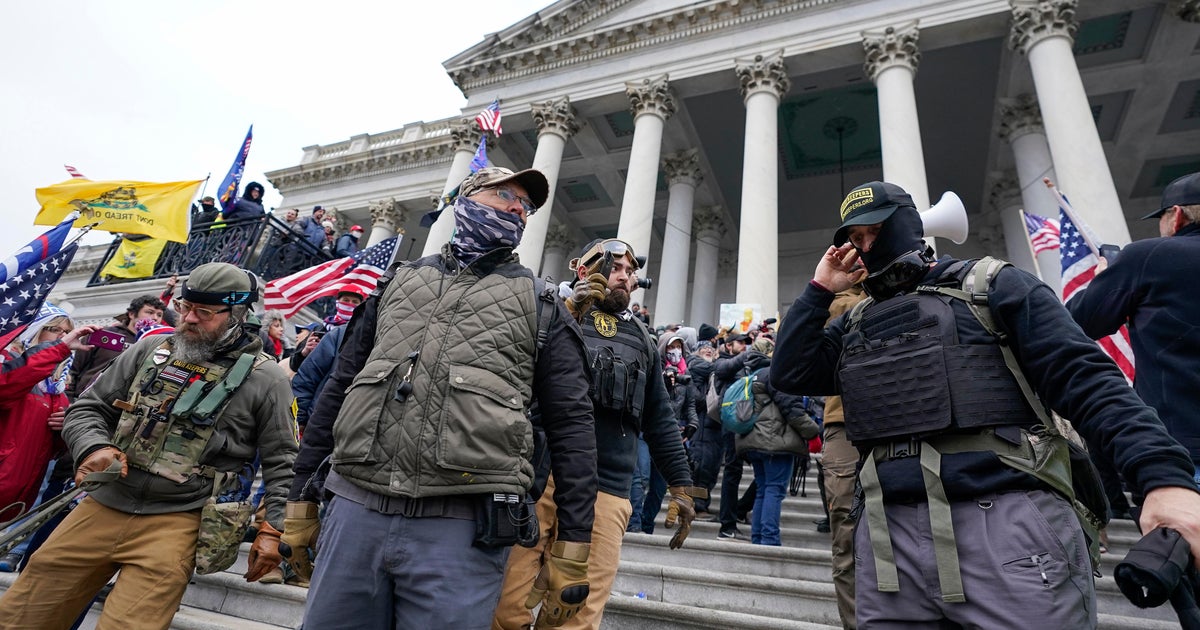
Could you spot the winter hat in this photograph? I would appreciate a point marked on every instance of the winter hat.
(706, 332)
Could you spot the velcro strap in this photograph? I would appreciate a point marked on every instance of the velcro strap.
(300, 509)
(575, 551)
(233, 379)
(942, 527)
(886, 576)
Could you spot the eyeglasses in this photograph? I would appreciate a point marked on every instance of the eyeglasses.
(56, 330)
(183, 307)
(509, 196)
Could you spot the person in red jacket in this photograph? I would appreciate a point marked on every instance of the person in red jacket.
(33, 378)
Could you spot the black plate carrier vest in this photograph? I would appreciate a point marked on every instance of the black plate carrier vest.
(621, 364)
(905, 375)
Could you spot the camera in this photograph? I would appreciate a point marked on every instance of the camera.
(645, 283)
(680, 379)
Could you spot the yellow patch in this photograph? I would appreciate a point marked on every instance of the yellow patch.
(295, 425)
(605, 324)
(191, 367)
(857, 199)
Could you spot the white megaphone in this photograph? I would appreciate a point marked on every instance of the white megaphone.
(946, 219)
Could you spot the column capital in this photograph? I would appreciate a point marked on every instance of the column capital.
(340, 223)
(1035, 20)
(556, 116)
(763, 73)
(1189, 11)
(389, 214)
(651, 96)
(729, 261)
(893, 46)
(558, 237)
(1005, 191)
(1019, 116)
(683, 166)
(708, 222)
(465, 134)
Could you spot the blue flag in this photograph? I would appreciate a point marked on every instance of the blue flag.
(233, 179)
(480, 160)
(21, 295)
(38, 249)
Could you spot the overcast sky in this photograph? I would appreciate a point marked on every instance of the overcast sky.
(164, 91)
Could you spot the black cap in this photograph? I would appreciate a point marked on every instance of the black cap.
(868, 204)
(1184, 191)
(737, 337)
(706, 332)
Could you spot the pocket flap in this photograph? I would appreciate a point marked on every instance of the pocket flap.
(483, 382)
(376, 371)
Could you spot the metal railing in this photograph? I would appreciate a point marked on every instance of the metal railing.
(262, 244)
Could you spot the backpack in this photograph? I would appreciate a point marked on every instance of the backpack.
(712, 399)
(738, 411)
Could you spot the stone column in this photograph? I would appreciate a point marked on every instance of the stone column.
(1043, 30)
(465, 136)
(652, 104)
(763, 81)
(558, 250)
(683, 175)
(556, 123)
(1021, 126)
(707, 226)
(892, 59)
(387, 219)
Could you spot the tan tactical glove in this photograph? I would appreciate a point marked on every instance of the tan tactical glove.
(99, 460)
(561, 586)
(299, 540)
(264, 553)
(586, 292)
(683, 510)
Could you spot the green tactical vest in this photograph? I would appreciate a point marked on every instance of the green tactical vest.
(462, 429)
(171, 410)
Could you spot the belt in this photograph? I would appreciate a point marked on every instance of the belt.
(458, 506)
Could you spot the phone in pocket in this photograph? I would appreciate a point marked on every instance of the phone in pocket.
(107, 339)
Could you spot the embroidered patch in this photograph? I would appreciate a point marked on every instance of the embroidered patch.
(175, 374)
(160, 356)
(605, 324)
(190, 367)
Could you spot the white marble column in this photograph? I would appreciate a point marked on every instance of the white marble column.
(1043, 30)
(1021, 126)
(652, 104)
(683, 175)
(465, 135)
(892, 59)
(558, 250)
(763, 81)
(387, 219)
(556, 123)
(707, 226)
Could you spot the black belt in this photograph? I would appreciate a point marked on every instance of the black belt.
(458, 506)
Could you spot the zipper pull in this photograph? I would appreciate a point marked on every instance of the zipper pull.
(1037, 559)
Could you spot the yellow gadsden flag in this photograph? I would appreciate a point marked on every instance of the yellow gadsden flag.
(154, 209)
(134, 258)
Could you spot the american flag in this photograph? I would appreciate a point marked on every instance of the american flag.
(362, 270)
(1043, 232)
(22, 294)
(489, 118)
(1078, 268)
(480, 160)
(73, 172)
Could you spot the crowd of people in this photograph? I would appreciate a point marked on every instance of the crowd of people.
(467, 447)
(317, 229)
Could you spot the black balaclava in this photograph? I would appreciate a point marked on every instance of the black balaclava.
(898, 257)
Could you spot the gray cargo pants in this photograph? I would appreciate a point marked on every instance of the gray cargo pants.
(1022, 556)
(379, 571)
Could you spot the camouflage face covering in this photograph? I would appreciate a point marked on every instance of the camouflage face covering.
(479, 229)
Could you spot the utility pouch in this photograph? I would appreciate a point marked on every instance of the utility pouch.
(503, 520)
(620, 386)
(222, 527)
(637, 393)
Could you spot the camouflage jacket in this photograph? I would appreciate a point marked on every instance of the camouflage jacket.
(258, 418)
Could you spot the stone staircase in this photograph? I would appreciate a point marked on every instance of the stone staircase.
(709, 583)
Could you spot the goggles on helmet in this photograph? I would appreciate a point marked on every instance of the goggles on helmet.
(617, 248)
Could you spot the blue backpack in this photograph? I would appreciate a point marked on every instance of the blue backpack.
(738, 412)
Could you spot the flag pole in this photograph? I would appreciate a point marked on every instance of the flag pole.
(1036, 267)
(204, 187)
(1084, 230)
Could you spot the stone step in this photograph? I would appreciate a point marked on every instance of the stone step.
(624, 612)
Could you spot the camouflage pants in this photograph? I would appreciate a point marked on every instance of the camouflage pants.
(155, 553)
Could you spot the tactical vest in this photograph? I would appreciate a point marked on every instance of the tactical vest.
(622, 362)
(905, 375)
(171, 410)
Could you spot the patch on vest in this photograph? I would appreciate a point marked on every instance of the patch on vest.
(605, 324)
(160, 357)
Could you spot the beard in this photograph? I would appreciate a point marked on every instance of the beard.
(193, 345)
(616, 301)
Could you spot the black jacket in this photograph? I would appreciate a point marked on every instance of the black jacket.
(700, 370)
(1150, 287)
(559, 384)
(1067, 370)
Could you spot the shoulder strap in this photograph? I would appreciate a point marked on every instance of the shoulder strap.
(856, 313)
(547, 312)
(976, 285)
